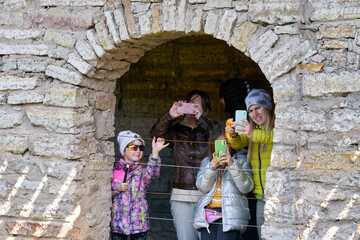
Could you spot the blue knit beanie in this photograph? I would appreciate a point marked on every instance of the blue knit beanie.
(259, 97)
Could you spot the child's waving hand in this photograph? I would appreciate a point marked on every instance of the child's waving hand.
(157, 146)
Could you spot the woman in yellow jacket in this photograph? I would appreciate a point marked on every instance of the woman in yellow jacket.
(258, 136)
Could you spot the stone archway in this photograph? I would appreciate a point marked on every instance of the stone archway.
(57, 85)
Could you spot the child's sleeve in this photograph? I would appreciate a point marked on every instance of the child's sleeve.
(152, 170)
(206, 176)
(241, 173)
(263, 136)
(114, 183)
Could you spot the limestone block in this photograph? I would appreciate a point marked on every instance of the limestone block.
(340, 31)
(91, 36)
(58, 17)
(319, 194)
(289, 52)
(324, 10)
(145, 23)
(3, 189)
(32, 64)
(23, 49)
(197, 1)
(132, 27)
(287, 115)
(285, 137)
(110, 65)
(9, 64)
(85, 50)
(196, 23)
(59, 53)
(10, 118)
(279, 211)
(15, 19)
(269, 231)
(61, 120)
(75, 3)
(243, 35)
(79, 63)
(226, 25)
(104, 102)
(216, 4)
(259, 45)
(241, 6)
(104, 36)
(320, 84)
(310, 67)
(110, 22)
(49, 229)
(140, 7)
(274, 11)
(66, 97)
(284, 157)
(107, 148)
(104, 122)
(63, 39)
(344, 120)
(13, 143)
(20, 34)
(169, 15)
(211, 22)
(63, 146)
(121, 23)
(11, 5)
(181, 16)
(332, 160)
(25, 97)
(286, 88)
(156, 13)
(313, 120)
(18, 83)
(64, 74)
(335, 44)
(290, 29)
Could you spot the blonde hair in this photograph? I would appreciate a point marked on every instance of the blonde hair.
(269, 125)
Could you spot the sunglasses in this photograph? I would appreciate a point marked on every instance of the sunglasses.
(136, 147)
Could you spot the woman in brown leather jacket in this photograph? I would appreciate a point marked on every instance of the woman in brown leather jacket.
(189, 147)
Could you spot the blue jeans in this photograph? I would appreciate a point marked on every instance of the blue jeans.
(183, 214)
(216, 232)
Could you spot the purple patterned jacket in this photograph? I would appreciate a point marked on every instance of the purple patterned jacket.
(129, 212)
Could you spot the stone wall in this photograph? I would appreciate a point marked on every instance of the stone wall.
(60, 62)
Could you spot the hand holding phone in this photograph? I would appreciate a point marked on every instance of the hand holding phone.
(220, 147)
(240, 114)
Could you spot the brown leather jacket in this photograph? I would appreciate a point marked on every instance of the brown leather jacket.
(187, 155)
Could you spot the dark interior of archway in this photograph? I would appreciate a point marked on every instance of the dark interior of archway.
(166, 74)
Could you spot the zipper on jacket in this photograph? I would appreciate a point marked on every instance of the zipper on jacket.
(262, 187)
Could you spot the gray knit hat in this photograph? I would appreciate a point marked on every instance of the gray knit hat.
(259, 97)
(126, 137)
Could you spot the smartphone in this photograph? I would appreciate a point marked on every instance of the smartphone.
(240, 114)
(220, 147)
(185, 108)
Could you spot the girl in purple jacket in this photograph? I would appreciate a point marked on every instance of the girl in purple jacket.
(129, 215)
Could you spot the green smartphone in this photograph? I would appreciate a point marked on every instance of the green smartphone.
(220, 147)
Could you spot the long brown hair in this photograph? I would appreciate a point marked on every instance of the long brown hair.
(269, 125)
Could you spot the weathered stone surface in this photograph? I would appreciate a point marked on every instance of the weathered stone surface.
(169, 15)
(61, 38)
(18, 83)
(15, 19)
(132, 27)
(2, 98)
(243, 34)
(92, 37)
(334, 10)
(113, 29)
(104, 101)
(286, 88)
(25, 97)
(284, 157)
(76, 3)
(62, 146)
(85, 50)
(66, 97)
(10, 118)
(145, 23)
(11, 5)
(181, 16)
(156, 13)
(287, 115)
(340, 31)
(241, 6)
(41, 229)
(288, 53)
(32, 64)
(211, 22)
(79, 63)
(13, 143)
(64, 74)
(291, 29)
(226, 25)
(104, 122)
(260, 44)
(332, 160)
(274, 11)
(321, 83)
(21, 34)
(32, 49)
(215, 4)
(335, 44)
(61, 120)
(310, 67)
(58, 18)
(343, 120)
(121, 23)
(104, 36)
(195, 23)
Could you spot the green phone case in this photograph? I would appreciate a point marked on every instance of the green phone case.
(220, 146)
